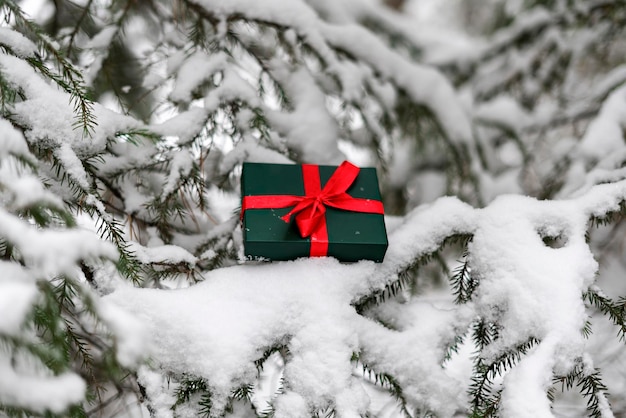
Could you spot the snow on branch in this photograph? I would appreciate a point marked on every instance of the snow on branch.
(217, 329)
(121, 141)
(330, 41)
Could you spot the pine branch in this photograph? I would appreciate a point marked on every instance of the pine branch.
(75, 411)
(205, 404)
(391, 290)
(187, 387)
(385, 381)
(219, 249)
(70, 78)
(484, 401)
(107, 226)
(85, 13)
(328, 412)
(62, 344)
(111, 229)
(280, 347)
(8, 95)
(590, 385)
(615, 311)
(407, 273)
(243, 393)
(462, 282)
(191, 388)
(453, 348)
(609, 217)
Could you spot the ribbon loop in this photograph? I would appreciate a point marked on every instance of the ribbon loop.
(310, 211)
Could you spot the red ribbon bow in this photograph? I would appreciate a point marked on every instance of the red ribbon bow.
(310, 209)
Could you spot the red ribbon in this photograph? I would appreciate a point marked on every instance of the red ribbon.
(310, 209)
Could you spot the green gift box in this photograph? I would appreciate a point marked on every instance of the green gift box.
(291, 211)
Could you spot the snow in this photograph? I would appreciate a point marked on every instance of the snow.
(503, 111)
(197, 69)
(36, 392)
(16, 300)
(96, 51)
(217, 328)
(52, 252)
(525, 386)
(72, 165)
(237, 308)
(181, 165)
(232, 88)
(248, 149)
(50, 120)
(21, 384)
(130, 335)
(153, 382)
(18, 43)
(525, 23)
(425, 381)
(36, 193)
(605, 134)
(310, 130)
(162, 254)
(550, 287)
(423, 84)
(13, 142)
(422, 232)
(186, 125)
(233, 315)
(102, 39)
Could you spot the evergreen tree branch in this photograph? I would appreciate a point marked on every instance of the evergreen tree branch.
(85, 13)
(484, 400)
(615, 311)
(385, 381)
(70, 79)
(591, 387)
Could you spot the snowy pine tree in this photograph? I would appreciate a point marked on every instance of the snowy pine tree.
(123, 287)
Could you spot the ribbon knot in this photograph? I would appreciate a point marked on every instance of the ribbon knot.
(310, 209)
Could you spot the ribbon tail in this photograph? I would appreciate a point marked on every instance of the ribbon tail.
(302, 206)
(319, 241)
(309, 220)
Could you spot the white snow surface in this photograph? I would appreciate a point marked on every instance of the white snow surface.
(38, 393)
(309, 129)
(130, 335)
(16, 300)
(423, 84)
(185, 125)
(53, 252)
(102, 39)
(605, 134)
(153, 381)
(217, 328)
(197, 69)
(46, 253)
(13, 142)
(50, 120)
(18, 43)
(503, 111)
(162, 254)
